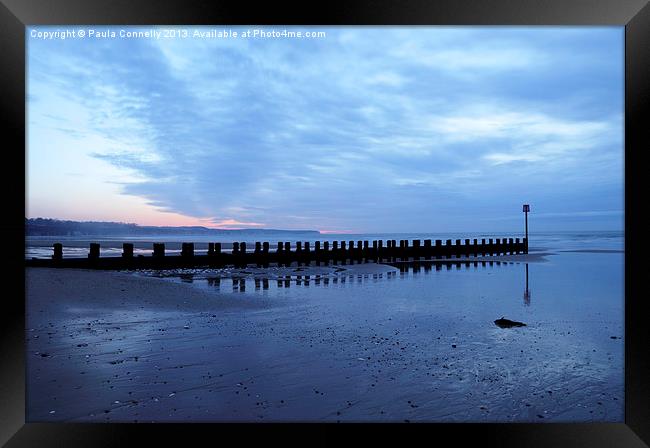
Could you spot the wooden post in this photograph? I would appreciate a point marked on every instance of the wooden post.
(280, 249)
(427, 249)
(235, 248)
(438, 249)
(475, 248)
(263, 254)
(517, 246)
(287, 252)
(158, 250)
(526, 209)
(258, 247)
(491, 247)
(58, 251)
(127, 250)
(242, 248)
(216, 255)
(458, 249)
(210, 249)
(187, 250)
(416, 250)
(318, 254)
(483, 246)
(94, 251)
(298, 255)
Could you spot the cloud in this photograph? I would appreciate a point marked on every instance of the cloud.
(233, 223)
(367, 128)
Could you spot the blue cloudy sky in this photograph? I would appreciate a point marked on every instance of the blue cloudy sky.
(369, 129)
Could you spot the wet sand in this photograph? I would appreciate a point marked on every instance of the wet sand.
(110, 346)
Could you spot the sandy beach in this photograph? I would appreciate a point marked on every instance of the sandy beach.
(369, 344)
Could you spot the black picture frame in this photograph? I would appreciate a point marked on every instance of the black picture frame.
(15, 15)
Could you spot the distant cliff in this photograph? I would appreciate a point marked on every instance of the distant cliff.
(55, 227)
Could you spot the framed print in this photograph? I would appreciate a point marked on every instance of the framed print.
(425, 213)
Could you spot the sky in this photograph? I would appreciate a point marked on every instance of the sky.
(362, 130)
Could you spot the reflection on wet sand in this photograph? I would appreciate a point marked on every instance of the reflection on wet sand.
(237, 281)
(527, 291)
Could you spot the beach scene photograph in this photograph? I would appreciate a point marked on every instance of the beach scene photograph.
(330, 224)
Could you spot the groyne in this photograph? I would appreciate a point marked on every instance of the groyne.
(283, 253)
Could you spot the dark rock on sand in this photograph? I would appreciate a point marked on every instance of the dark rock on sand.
(507, 323)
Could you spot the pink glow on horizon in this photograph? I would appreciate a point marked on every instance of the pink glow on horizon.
(338, 232)
(146, 216)
(174, 219)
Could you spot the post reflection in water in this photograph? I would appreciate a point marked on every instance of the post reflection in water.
(343, 280)
(526, 292)
(415, 267)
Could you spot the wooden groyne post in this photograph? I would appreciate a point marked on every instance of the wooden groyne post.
(93, 254)
(127, 250)
(58, 251)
